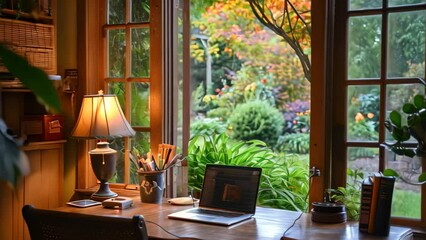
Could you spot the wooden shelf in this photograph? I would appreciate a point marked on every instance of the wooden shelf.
(43, 145)
(15, 14)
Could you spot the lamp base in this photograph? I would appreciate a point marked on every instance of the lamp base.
(103, 160)
(103, 193)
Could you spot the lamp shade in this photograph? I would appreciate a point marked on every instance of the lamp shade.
(101, 117)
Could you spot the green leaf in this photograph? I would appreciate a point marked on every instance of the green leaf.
(401, 134)
(13, 162)
(409, 152)
(409, 108)
(33, 78)
(419, 101)
(390, 172)
(422, 177)
(395, 118)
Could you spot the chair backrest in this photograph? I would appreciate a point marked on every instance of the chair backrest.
(48, 224)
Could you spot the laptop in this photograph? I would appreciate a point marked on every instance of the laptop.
(228, 196)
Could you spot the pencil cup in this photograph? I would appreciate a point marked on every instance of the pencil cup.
(151, 186)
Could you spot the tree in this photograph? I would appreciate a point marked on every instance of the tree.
(249, 51)
(291, 21)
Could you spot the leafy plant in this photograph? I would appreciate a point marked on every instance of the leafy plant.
(221, 149)
(284, 181)
(256, 120)
(207, 126)
(13, 162)
(402, 132)
(364, 130)
(294, 143)
(350, 195)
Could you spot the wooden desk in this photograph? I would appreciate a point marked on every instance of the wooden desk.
(266, 224)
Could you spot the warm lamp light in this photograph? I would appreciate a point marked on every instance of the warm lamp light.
(101, 118)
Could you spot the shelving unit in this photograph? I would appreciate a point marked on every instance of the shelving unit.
(35, 39)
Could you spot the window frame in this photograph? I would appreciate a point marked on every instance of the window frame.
(338, 70)
(91, 42)
(154, 80)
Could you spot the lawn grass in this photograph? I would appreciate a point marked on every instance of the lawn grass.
(406, 203)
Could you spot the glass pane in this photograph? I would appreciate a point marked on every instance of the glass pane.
(117, 88)
(116, 53)
(363, 113)
(396, 96)
(364, 4)
(180, 81)
(140, 11)
(140, 147)
(363, 159)
(116, 11)
(118, 145)
(140, 105)
(406, 47)
(405, 2)
(364, 47)
(406, 201)
(140, 52)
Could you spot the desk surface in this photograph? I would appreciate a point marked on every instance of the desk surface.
(266, 224)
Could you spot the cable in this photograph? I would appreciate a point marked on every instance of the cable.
(312, 174)
(193, 205)
(158, 225)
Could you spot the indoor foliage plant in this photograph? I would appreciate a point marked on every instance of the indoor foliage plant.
(403, 130)
(13, 162)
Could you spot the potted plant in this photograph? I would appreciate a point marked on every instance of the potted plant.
(414, 127)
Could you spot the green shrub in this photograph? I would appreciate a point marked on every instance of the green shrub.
(284, 181)
(207, 126)
(221, 113)
(293, 143)
(363, 130)
(256, 119)
(362, 152)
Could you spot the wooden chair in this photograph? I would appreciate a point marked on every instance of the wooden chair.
(49, 225)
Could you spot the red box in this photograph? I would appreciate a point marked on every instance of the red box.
(43, 127)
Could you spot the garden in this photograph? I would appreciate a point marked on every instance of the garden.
(250, 72)
(251, 98)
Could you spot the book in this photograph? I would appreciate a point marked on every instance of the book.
(383, 207)
(365, 206)
(376, 201)
(376, 184)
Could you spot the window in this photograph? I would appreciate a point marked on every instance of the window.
(129, 65)
(379, 56)
(131, 48)
(133, 72)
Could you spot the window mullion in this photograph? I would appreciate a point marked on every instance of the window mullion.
(127, 93)
(383, 87)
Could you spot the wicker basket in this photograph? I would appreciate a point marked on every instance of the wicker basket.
(34, 41)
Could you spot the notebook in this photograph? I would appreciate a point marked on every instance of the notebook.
(228, 196)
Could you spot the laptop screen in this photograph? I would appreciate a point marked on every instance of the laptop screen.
(230, 187)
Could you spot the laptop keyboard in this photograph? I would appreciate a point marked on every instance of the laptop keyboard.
(216, 213)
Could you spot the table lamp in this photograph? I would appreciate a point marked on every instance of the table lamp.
(102, 118)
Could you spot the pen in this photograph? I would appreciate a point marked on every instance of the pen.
(160, 162)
